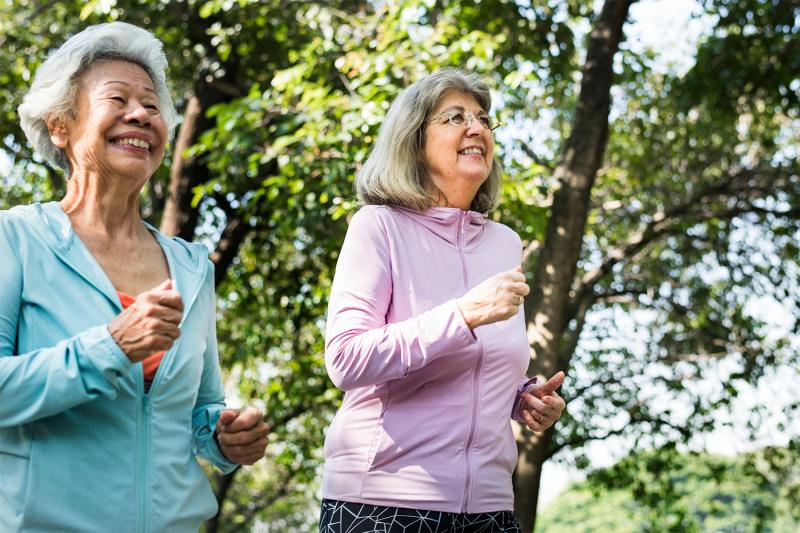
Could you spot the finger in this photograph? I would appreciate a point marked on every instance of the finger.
(238, 454)
(171, 316)
(160, 298)
(243, 438)
(244, 449)
(554, 400)
(515, 275)
(532, 402)
(530, 421)
(158, 342)
(535, 421)
(250, 459)
(226, 417)
(171, 299)
(522, 289)
(247, 419)
(165, 329)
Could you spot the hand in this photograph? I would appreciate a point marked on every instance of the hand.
(542, 406)
(242, 435)
(150, 324)
(495, 299)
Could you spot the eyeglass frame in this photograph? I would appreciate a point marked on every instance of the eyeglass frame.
(469, 119)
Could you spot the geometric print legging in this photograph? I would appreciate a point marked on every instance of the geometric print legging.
(347, 517)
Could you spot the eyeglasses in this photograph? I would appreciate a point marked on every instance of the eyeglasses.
(464, 119)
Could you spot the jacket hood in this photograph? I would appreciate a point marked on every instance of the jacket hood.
(451, 224)
(54, 226)
(188, 262)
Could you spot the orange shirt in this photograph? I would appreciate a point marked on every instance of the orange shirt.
(149, 364)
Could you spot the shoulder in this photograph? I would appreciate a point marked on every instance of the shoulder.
(504, 233)
(192, 255)
(17, 214)
(374, 220)
(503, 237)
(373, 214)
(16, 222)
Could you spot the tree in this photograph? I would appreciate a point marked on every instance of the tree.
(664, 490)
(651, 209)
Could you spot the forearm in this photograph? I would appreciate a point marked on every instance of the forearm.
(51, 380)
(359, 356)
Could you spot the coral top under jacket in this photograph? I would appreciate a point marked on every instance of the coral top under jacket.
(426, 417)
(82, 448)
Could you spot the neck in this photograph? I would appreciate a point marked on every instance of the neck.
(96, 206)
(454, 198)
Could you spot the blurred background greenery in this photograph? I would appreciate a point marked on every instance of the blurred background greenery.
(675, 182)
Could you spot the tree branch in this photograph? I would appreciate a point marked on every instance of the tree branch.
(666, 222)
(536, 159)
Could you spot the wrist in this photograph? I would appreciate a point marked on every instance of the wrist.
(467, 313)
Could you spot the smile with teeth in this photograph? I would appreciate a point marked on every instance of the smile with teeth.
(471, 151)
(129, 141)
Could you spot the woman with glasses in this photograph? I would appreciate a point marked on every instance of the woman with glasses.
(425, 330)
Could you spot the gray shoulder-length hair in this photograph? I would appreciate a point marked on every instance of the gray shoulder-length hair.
(395, 172)
(55, 86)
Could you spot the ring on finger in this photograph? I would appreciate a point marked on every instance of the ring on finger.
(540, 419)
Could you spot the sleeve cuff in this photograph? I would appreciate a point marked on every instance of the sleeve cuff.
(102, 359)
(523, 387)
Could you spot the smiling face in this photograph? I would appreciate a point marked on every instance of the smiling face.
(458, 158)
(117, 130)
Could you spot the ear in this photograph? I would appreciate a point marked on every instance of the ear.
(59, 132)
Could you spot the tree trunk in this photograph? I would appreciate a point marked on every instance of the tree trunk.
(180, 217)
(224, 482)
(548, 305)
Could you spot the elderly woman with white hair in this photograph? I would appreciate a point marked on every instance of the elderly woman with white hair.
(425, 330)
(109, 374)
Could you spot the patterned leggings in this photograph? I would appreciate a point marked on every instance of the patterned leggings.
(346, 517)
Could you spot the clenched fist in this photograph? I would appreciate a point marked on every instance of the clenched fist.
(150, 324)
(495, 299)
(242, 435)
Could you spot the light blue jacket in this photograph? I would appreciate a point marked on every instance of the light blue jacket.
(82, 448)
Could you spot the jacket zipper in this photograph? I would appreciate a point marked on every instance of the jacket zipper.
(144, 461)
(475, 378)
(170, 353)
(145, 413)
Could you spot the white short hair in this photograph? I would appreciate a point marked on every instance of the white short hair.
(395, 172)
(55, 85)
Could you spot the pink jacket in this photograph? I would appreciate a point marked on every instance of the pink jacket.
(425, 421)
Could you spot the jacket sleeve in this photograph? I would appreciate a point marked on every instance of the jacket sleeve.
(50, 380)
(524, 386)
(211, 395)
(361, 349)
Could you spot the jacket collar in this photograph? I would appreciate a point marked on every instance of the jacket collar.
(462, 229)
(187, 262)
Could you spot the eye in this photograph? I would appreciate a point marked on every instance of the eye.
(457, 118)
(118, 99)
(152, 107)
(485, 121)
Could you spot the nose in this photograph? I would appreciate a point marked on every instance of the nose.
(138, 114)
(474, 126)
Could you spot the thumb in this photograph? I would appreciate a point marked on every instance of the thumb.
(551, 384)
(164, 285)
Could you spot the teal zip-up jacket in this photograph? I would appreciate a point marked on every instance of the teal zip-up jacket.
(82, 447)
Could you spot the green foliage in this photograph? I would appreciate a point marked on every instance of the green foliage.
(665, 490)
(700, 167)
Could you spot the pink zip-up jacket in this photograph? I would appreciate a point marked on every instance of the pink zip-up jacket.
(426, 417)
